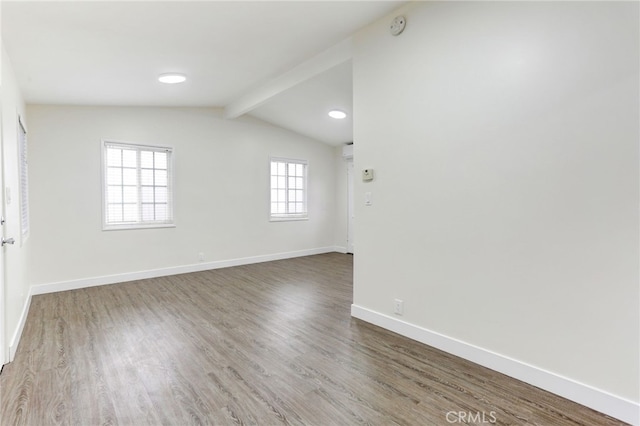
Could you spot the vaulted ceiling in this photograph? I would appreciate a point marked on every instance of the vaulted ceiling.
(285, 62)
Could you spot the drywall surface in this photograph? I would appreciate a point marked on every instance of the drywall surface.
(504, 140)
(221, 191)
(341, 200)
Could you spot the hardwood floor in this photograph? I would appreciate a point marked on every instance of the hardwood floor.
(268, 344)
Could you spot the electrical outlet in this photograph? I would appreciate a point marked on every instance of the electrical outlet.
(398, 307)
(201, 257)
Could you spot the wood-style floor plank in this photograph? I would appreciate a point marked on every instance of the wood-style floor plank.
(264, 344)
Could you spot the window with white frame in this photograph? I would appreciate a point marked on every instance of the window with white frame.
(137, 185)
(288, 189)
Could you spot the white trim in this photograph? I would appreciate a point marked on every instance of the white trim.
(174, 270)
(340, 249)
(287, 218)
(599, 400)
(15, 340)
(128, 226)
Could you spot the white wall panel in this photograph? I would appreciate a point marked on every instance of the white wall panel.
(504, 139)
(221, 191)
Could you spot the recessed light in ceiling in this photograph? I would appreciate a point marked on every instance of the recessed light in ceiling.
(172, 78)
(337, 114)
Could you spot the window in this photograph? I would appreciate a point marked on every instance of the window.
(24, 182)
(137, 184)
(288, 189)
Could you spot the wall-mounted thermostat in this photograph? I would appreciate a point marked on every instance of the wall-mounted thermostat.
(367, 175)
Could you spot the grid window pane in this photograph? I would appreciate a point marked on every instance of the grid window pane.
(129, 158)
(288, 188)
(160, 160)
(129, 177)
(146, 159)
(147, 194)
(137, 185)
(161, 195)
(130, 194)
(114, 157)
(148, 212)
(130, 212)
(161, 178)
(114, 212)
(114, 176)
(114, 194)
(146, 177)
(161, 212)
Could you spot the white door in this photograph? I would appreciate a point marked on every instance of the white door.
(350, 206)
(4, 350)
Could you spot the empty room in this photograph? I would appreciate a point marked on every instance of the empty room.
(320, 213)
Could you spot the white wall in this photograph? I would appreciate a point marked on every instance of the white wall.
(16, 285)
(341, 213)
(221, 192)
(504, 138)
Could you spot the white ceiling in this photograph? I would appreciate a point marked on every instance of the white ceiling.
(111, 52)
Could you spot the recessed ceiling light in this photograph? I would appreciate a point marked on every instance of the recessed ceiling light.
(172, 78)
(337, 114)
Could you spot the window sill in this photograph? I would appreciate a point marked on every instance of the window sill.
(287, 218)
(137, 226)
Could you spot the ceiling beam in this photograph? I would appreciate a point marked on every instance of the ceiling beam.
(320, 63)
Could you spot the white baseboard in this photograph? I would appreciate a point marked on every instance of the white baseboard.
(340, 249)
(586, 395)
(174, 270)
(15, 339)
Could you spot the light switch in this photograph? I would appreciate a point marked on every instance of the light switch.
(367, 199)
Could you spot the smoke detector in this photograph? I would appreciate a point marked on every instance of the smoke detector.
(397, 25)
